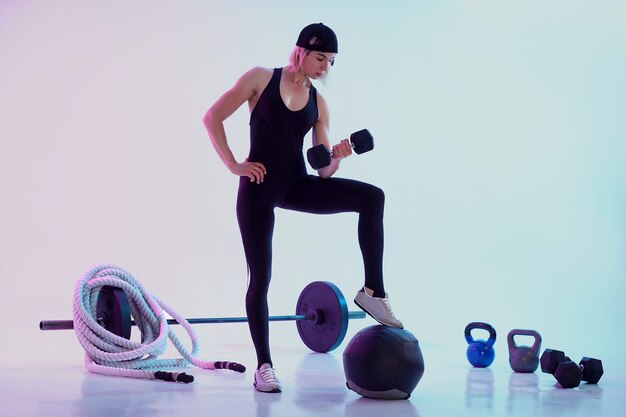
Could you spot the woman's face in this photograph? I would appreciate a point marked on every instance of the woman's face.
(316, 64)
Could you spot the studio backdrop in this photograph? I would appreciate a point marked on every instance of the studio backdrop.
(499, 135)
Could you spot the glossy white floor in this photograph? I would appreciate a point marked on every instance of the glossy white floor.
(51, 381)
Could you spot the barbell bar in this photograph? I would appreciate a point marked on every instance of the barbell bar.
(321, 316)
(69, 324)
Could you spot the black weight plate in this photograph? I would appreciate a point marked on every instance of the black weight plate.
(328, 331)
(113, 311)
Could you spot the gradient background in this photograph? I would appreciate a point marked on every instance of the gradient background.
(500, 132)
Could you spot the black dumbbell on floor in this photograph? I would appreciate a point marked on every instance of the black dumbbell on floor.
(319, 155)
(567, 372)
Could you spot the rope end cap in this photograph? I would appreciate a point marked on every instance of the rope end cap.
(173, 377)
(233, 366)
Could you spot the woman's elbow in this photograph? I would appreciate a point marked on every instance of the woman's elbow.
(207, 118)
(323, 174)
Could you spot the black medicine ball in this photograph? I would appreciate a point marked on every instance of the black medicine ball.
(383, 362)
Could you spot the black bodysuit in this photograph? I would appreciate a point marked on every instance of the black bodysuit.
(276, 140)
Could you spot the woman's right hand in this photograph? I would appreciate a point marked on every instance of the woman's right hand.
(254, 170)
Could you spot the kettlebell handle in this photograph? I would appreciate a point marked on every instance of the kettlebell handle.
(480, 325)
(524, 332)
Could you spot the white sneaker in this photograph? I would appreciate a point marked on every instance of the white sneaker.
(377, 307)
(265, 379)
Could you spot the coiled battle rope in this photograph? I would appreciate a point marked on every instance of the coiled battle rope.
(109, 354)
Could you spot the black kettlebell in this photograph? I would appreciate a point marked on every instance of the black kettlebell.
(524, 359)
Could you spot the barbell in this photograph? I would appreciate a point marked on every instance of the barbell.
(321, 316)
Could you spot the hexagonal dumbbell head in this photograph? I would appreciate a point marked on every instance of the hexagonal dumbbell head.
(550, 360)
(592, 370)
(362, 141)
(318, 156)
(568, 374)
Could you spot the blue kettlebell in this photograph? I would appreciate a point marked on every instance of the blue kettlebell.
(480, 353)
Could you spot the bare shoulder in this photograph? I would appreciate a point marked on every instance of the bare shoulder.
(322, 107)
(256, 78)
(261, 71)
(320, 99)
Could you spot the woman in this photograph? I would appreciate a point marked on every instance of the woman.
(284, 106)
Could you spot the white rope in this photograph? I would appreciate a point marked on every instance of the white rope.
(109, 354)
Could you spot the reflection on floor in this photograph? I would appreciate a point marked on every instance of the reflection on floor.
(314, 385)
